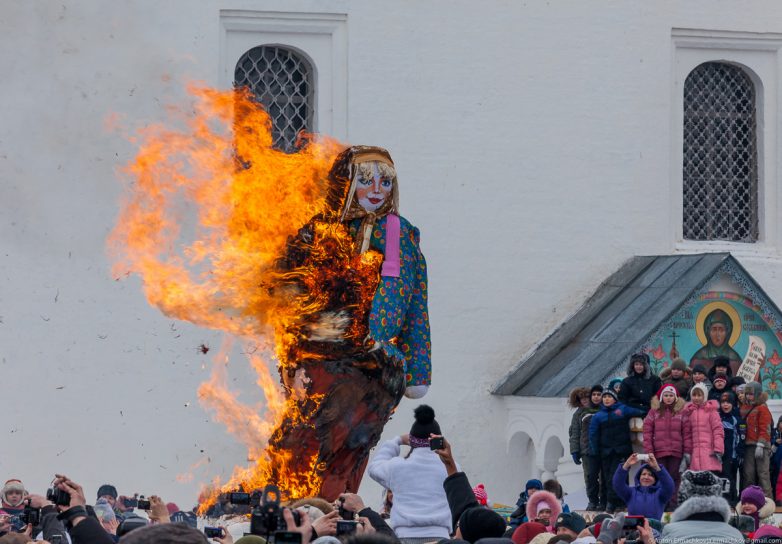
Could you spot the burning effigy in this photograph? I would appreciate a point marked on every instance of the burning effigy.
(306, 251)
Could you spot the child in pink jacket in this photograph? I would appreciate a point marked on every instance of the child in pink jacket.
(707, 437)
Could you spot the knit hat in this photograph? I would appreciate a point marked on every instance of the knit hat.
(700, 387)
(668, 388)
(572, 521)
(610, 393)
(255, 539)
(596, 388)
(614, 382)
(679, 364)
(110, 490)
(480, 494)
(533, 484)
(736, 381)
(699, 368)
(425, 424)
(479, 522)
(698, 483)
(170, 533)
(527, 531)
(720, 378)
(753, 495)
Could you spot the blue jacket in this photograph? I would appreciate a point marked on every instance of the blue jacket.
(734, 445)
(609, 430)
(647, 501)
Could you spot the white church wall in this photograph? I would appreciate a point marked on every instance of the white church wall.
(534, 148)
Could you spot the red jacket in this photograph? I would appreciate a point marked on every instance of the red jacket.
(707, 436)
(759, 421)
(667, 432)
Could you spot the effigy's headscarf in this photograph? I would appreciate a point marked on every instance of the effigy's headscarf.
(342, 190)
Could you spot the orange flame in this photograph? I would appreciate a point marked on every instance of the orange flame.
(248, 198)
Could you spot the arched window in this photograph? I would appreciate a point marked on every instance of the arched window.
(720, 170)
(281, 80)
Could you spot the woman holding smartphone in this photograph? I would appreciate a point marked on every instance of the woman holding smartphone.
(652, 490)
(420, 512)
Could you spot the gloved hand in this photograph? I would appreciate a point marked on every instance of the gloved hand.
(759, 451)
(576, 458)
(717, 456)
(611, 529)
(685, 462)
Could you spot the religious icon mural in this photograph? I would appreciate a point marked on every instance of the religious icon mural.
(729, 317)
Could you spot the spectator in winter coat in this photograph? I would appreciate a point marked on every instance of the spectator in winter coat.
(640, 385)
(755, 504)
(677, 375)
(579, 401)
(707, 437)
(583, 455)
(544, 508)
(13, 495)
(609, 436)
(758, 421)
(719, 386)
(420, 505)
(519, 515)
(653, 488)
(721, 367)
(734, 446)
(666, 434)
(569, 524)
(702, 515)
(699, 376)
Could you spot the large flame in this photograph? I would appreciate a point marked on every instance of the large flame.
(209, 208)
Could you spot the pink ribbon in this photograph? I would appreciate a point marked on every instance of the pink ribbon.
(391, 259)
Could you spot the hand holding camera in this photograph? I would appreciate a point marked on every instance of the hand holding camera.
(304, 528)
(446, 456)
(326, 525)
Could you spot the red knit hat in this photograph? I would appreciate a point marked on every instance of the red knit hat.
(667, 388)
(480, 494)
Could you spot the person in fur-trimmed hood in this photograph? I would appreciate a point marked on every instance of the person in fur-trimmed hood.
(678, 375)
(640, 385)
(755, 504)
(13, 495)
(757, 442)
(667, 433)
(702, 515)
(544, 508)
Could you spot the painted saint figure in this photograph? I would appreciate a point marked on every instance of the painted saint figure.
(718, 327)
(360, 338)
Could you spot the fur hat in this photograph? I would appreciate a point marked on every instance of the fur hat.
(13, 485)
(667, 388)
(572, 521)
(698, 483)
(735, 381)
(575, 396)
(722, 362)
(549, 501)
(425, 424)
(702, 388)
(679, 364)
(755, 388)
(753, 495)
(479, 522)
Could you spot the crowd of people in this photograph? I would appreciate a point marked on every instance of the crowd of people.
(664, 458)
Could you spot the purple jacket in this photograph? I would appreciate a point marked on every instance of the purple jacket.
(647, 501)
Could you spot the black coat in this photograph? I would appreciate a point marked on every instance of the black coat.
(638, 389)
(609, 430)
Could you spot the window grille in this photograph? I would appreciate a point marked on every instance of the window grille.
(281, 80)
(720, 169)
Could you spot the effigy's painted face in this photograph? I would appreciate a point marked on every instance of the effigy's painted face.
(718, 333)
(373, 188)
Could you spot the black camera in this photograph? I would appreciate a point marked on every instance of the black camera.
(213, 532)
(143, 504)
(30, 515)
(266, 516)
(58, 497)
(437, 443)
(129, 502)
(346, 527)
